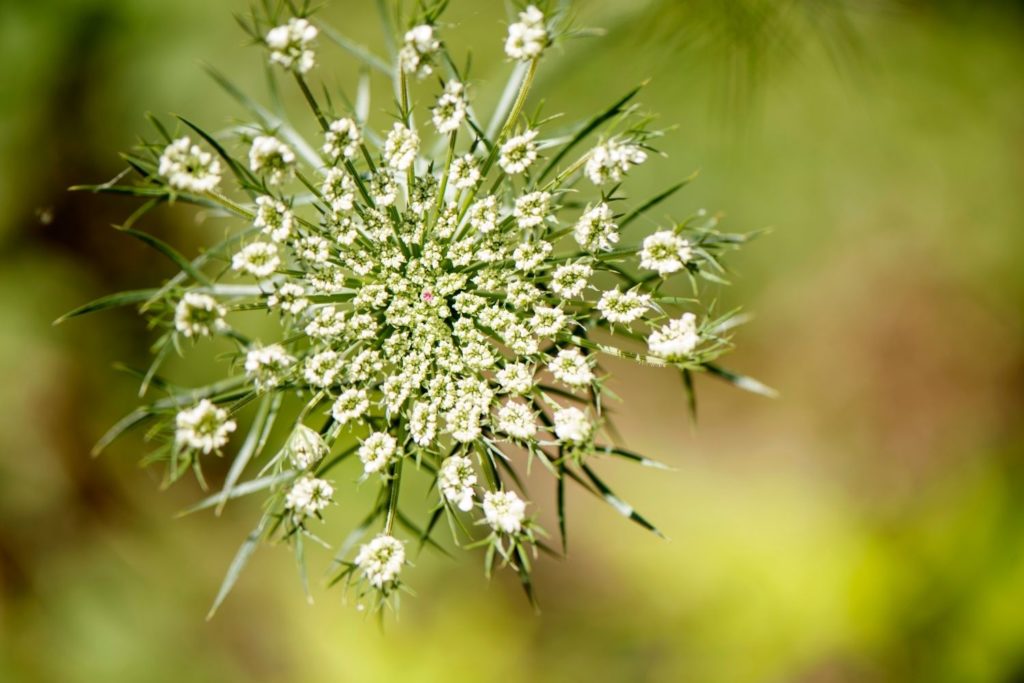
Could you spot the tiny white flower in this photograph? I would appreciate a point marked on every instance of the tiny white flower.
(267, 365)
(450, 110)
(290, 298)
(342, 140)
(532, 209)
(381, 560)
(199, 315)
(528, 37)
(547, 321)
(270, 155)
(339, 190)
(665, 252)
(383, 189)
(572, 425)
(306, 447)
(456, 479)
(463, 173)
(595, 230)
(529, 256)
(518, 153)
(515, 378)
(401, 147)
(517, 420)
(274, 218)
(571, 368)
(258, 259)
(570, 279)
(377, 451)
(504, 511)
(308, 497)
(423, 423)
(483, 215)
(623, 307)
(677, 339)
(417, 53)
(322, 368)
(189, 168)
(204, 427)
(350, 405)
(610, 161)
(290, 45)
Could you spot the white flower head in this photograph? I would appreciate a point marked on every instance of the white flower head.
(570, 367)
(342, 140)
(290, 298)
(572, 426)
(308, 497)
(381, 560)
(623, 307)
(204, 427)
(570, 279)
(464, 173)
(273, 157)
(267, 365)
(677, 339)
(533, 209)
(322, 369)
(610, 161)
(665, 252)
(527, 37)
(483, 215)
(418, 51)
(504, 511)
(199, 315)
(456, 479)
(517, 420)
(518, 153)
(401, 147)
(306, 447)
(259, 259)
(515, 378)
(450, 110)
(189, 168)
(351, 405)
(595, 230)
(274, 217)
(291, 45)
(377, 451)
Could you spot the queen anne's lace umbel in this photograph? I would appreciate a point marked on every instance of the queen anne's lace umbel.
(443, 319)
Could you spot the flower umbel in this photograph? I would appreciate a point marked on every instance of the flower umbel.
(438, 301)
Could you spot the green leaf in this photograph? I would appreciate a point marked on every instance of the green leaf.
(741, 381)
(108, 301)
(238, 564)
(691, 393)
(243, 489)
(261, 424)
(560, 506)
(621, 506)
(168, 251)
(654, 201)
(630, 455)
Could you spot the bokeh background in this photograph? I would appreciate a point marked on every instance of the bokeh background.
(866, 526)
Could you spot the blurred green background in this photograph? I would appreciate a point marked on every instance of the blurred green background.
(867, 526)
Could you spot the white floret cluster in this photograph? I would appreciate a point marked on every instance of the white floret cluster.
(438, 297)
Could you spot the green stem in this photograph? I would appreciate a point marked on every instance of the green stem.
(312, 102)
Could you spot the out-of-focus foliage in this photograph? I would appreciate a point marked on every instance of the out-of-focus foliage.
(867, 526)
